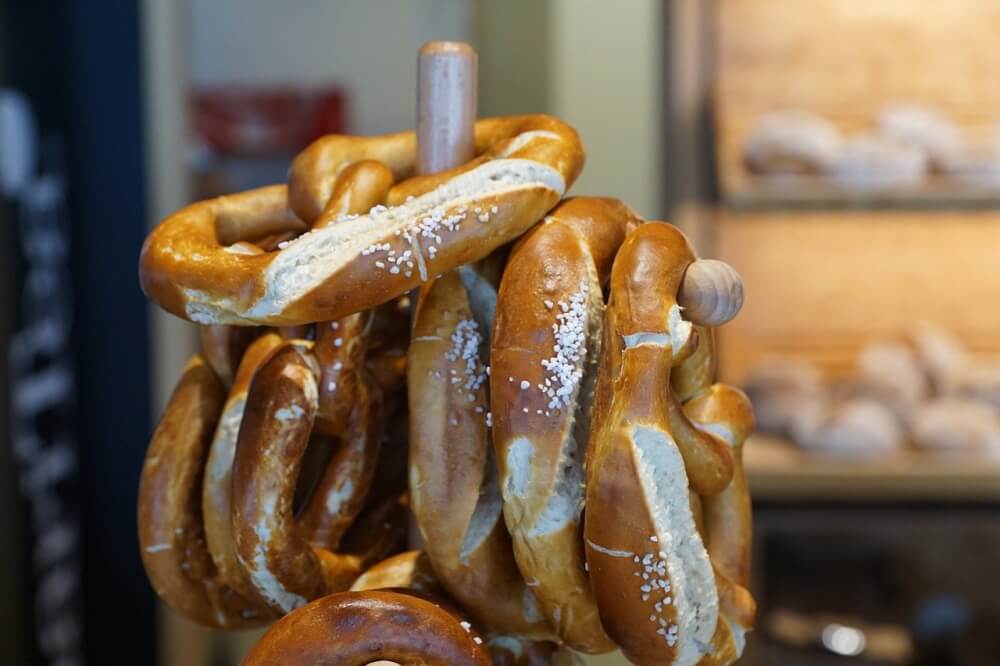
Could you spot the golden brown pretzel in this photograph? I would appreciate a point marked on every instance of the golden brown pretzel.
(216, 497)
(284, 567)
(546, 346)
(725, 412)
(453, 484)
(643, 457)
(412, 570)
(524, 166)
(223, 347)
(358, 628)
(171, 534)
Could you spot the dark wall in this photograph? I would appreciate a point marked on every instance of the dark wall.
(78, 61)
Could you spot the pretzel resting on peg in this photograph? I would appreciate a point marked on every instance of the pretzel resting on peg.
(193, 265)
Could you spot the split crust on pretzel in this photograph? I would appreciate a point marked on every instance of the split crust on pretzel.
(358, 628)
(644, 453)
(524, 165)
(546, 345)
(171, 533)
(284, 567)
(453, 483)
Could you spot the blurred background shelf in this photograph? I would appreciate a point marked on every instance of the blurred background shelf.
(775, 194)
(780, 471)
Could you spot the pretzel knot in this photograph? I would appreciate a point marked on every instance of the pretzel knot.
(194, 265)
(646, 453)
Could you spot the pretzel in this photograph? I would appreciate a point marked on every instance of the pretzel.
(453, 484)
(285, 569)
(223, 347)
(359, 628)
(412, 570)
(545, 349)
(645, 452)
(216, 498)
(725, 412)
(524, 166)
(171, 535)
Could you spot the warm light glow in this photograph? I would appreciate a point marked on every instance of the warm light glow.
(847, 641)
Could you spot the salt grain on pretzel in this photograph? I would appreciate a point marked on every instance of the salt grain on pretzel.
(525, 164)
(668, 613)
(453, 483)
(545, 350)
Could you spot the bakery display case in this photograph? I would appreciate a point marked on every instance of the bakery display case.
(413, 372)
(853, 146)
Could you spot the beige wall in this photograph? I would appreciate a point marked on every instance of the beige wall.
(605, 80)
(369, 46)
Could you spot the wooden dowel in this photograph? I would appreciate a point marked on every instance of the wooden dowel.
(447, 93)
(711, 293)
(447, 104)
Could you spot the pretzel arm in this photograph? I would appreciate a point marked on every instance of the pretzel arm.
(453, 484)
(358, 263)
(171, 533)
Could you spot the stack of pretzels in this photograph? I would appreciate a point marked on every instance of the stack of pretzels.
(531, 378)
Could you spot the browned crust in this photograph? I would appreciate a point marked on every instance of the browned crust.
(449, 451)
(357, 628)
(185, 253)
(729, 522)
(572, 248)
(223, 347)
(340, 495)
(171, 534)
(340, 351)
(216, 489)
(613, 483)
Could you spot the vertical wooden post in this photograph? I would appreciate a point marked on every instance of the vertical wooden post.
(447, 93)
(447, 103)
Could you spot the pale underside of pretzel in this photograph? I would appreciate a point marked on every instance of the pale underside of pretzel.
(285, 568)
(171, 533)
(453, 484)
(524, 166)
(545, 350)
(645, 457)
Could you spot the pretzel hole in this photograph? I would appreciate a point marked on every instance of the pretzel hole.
(314, 463)
(240, 224)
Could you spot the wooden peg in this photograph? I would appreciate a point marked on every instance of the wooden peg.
(712, 292)
(447, 93)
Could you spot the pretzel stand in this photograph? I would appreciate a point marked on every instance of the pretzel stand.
(418, 321)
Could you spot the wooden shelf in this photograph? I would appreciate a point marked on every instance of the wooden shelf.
(778, 470)
(813, 194)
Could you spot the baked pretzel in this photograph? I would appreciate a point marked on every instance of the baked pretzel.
(646, 455)
(546, 344)
(525, 164)
(216, 498)
(223, 347)
(284, 567)
(412, 570)
(725, 412)
(171, 533)
(359, 628)
(453, 483)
